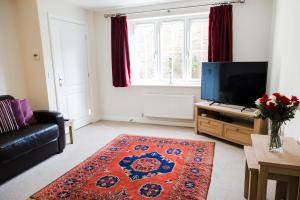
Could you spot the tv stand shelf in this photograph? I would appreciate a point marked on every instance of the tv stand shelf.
(227, 123)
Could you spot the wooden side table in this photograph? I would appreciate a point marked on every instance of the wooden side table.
(69, 123)
(286, 163)
(286, 185)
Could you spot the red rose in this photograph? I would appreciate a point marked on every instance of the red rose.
(296, 103)
(277, 95)
(264, 99)
(294, 98)
(285, 100)
(270, 105)
(265, 96)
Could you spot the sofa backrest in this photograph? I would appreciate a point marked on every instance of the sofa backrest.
(3, 97)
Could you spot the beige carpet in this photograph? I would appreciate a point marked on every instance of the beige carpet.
(228, 171)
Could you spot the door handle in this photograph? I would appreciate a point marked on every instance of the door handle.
(60, 82)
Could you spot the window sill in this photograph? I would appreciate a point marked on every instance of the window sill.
(165, 85)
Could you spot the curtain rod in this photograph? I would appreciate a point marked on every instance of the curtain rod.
(175, 8)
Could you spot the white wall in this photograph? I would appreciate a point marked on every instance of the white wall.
(251, 42)
(285, 55)
(251, 30)
(67, 11)
(31, 44)
(12, 73)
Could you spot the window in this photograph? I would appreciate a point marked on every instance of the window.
(144, 51)
(168, 50)
(172, 49)
(198, 46)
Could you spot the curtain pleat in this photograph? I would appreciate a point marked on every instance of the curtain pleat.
(220, 34)
(120, 52)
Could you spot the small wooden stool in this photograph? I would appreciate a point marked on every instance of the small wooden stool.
(286, 187)
(69, 123)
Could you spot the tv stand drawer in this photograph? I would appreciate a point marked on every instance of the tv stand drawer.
(210, 126)
(209, 120)
(237, 133)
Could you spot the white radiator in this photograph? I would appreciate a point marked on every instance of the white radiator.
(169, 106)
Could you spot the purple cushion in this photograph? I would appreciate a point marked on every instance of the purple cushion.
(19, 116)
(7, 119)
(27, 111)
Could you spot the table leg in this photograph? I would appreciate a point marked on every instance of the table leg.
(253, 185)
(299, 193)
(71, 132)
(293, 186)
(281, 190)
(246, 183)
(196, 119)
(262, 183)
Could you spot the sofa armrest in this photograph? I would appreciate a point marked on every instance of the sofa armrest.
(44, 116)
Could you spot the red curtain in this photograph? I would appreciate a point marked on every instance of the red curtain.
(120, 52)
(220, 34)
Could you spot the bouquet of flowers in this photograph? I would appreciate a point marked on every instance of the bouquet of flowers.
(278, 109)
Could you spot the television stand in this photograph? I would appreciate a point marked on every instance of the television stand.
(227, 123)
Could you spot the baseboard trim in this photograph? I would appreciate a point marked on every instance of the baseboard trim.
(157, 121)
(96, 118)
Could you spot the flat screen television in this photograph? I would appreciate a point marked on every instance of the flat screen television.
(237, 83)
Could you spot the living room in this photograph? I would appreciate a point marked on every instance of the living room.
(144, 80)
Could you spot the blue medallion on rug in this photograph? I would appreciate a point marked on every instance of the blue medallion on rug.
(146, 165)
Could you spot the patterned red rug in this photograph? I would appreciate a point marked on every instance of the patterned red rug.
(134, 167)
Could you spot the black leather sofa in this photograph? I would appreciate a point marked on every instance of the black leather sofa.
(28, 146)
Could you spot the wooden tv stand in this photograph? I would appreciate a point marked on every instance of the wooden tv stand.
(227, 123)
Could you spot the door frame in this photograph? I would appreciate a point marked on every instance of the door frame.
(51, 18)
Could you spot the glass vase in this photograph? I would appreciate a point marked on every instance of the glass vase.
(276, 131)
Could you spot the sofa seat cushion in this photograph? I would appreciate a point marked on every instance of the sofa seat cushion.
(14, 144)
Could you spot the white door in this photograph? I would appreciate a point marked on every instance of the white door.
(70, 63)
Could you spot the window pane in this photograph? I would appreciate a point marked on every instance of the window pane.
(172, 49)
(199, 46)
(144, 50)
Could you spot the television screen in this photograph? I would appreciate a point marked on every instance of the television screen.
(237, 83)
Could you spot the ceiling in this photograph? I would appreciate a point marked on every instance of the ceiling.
(104, 4)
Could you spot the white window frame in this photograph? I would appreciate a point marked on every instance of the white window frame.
(187, 58)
